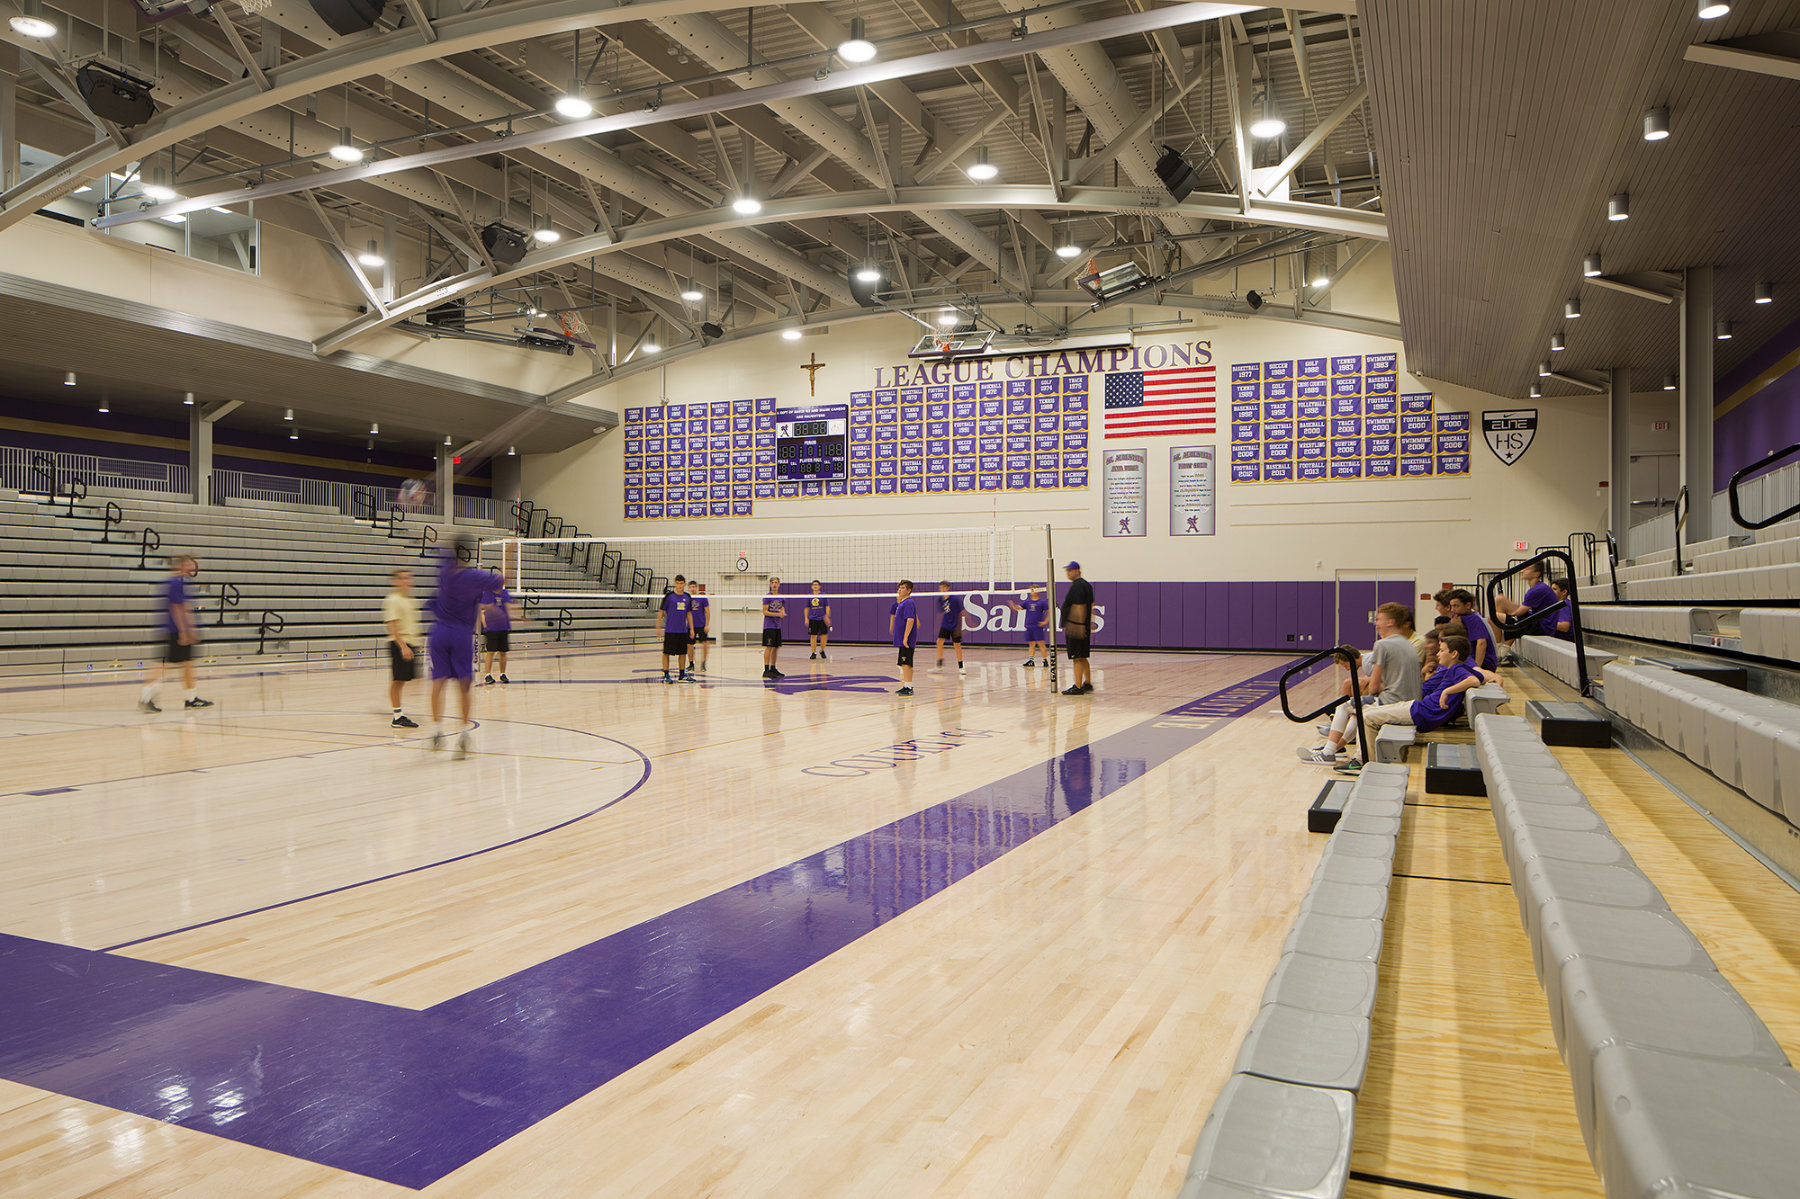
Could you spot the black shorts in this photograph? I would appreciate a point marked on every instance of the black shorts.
(675, 645)
(954, 633)
(174, 651)
(817, 628)
(771, 638)
(400, 667)
(1077, 647)
(904, 655)
(496, 641)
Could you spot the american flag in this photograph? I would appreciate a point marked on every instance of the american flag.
(1180, 400)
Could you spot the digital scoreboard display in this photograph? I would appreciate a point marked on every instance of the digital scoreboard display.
(812, 443)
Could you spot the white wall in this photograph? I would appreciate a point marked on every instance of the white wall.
(1441, 530)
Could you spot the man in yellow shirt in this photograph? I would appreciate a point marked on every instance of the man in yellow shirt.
(400, 613)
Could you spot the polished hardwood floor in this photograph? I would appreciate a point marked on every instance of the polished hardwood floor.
(985, 941)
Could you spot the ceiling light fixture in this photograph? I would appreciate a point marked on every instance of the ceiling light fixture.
(1671, 382)
(346, 150)
(790, 335)
(175, 218)
(1656, 124)
(1556, 343)
(1268, 122)
(1068, 250)
(1321, 279)
(1572, 309)
(1618, 206)
(1765, 293)
(512, 451)
(371, 257)
(651, 347)
(981, 170)
(1537, 392)
(289, 415)
(947, 320)
(571, 106)
(868, 272)
(692, 294)
(68, 378)
(544, 235)
(857, 47)
(447, 441)
(1722, 331)
(105, 406)
(747, 204)
(1590, 266)
(1710, 9)
(32, 23)
(187, 399)
(1544, 369)
(293, 435)
(156, 187)
(374, 428)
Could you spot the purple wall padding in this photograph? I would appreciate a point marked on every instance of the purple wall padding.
(1769, 419)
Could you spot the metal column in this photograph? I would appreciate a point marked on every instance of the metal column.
(1620, 412)
(200, 455)
(1697, 400)
(446, 482)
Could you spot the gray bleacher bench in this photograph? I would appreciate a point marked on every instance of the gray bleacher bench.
(1392, 741)
(1269, 1138)
(1313, 1049)
(1485, 700)
(1453, 770)
(1556, 656)
(1770, 632)
(1575, 724)
(1573, 930)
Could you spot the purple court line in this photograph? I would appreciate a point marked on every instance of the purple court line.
(408, 1096)
(643, 778)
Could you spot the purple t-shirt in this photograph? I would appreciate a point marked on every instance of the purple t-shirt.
(815, 607)
(499, 610)
(1538, 596)
(176, 595)
(459, 592)
(698, 608)
(1478, 631)
(1037, 616)
(1425, 711)
(780, 607)
(903, 611)
(678, 612)
(950, 611)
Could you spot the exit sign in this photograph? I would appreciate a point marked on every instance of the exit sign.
(1659, 426)
(1518, 545)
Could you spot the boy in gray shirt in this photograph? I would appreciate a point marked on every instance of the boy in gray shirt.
(1391, 673)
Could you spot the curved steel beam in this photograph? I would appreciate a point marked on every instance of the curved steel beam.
(356, 59)
(1370, 326)
(1011, 196)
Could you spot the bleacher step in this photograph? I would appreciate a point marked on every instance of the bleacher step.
(1567, 723)
(1723, 673)
(1328, 808)
(1453, 770)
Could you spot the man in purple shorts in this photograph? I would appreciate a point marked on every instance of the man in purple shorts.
(950, 622)
(903, 625)
(451, 643)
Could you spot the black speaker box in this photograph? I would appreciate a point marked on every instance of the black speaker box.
(708, 329)
(448, 315)
(864, 293)
(114, 97)
(348, 16)
(1175, 173)
(505, 246)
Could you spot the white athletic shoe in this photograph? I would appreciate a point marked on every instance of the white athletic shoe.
(1318, 755)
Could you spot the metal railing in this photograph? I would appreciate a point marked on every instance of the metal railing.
(1733, 490)
(561, 622)
(427, 538)
(112, 515)
(270, 625)
(31, 470)
(1682, 506)
(1355, 698)
(1510, 629)
(148, 541)
(77, 492)
(228, 598)
(396, 518)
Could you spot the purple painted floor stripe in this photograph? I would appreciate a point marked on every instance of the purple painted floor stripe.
(407, 1096)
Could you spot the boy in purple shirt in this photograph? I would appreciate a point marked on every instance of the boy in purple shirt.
(1556, 621)
(903, 627)
(1462, 607)
(1037, 625)
(451, 643)
(774, 610)
(677, 622)
(1438, 704)
(181, 633)
(950, 622)
(818, 622)
(496, 630)
(702, 614)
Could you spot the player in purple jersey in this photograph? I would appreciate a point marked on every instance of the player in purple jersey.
(950, 622)
(903, 627)
(1037, 625)
(1462, 607)
(450, 645)
(676, 620)
(818, 622)
(774, 610)
(181, 633)
(702, 612)
(496, 630)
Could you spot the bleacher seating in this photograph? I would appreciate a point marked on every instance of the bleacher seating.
(79, 603)
(1558, 658)
(1283, 1125)
(1679, 1087)
(1721, 571)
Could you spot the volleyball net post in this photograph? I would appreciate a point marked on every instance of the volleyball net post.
(1052, 626)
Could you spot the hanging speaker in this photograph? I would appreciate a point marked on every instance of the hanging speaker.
(1175, 173)
(708, 329)
(864, 293)
(1254, 299)
(115, 96)
(504, 245)
(348, 16)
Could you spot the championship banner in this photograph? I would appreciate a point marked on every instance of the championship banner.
(1123, 490)
(1193, 508)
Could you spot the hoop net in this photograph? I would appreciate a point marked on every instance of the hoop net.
(848, 565)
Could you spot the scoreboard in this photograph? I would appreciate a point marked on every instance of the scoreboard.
(811, 443)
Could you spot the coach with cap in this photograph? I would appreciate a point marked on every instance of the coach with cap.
(1078, 628)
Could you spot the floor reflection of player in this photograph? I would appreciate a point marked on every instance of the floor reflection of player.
(1077, 770)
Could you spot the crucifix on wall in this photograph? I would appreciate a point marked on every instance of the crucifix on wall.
(812, 374)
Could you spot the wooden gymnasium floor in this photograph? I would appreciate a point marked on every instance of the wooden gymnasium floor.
(728, 940)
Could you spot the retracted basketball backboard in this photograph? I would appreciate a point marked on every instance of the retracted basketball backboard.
(951, 343)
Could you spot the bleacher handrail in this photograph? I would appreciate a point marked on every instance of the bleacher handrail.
(396, 518)
(1511, 629)
(1683, 506)
(112, 515)
(148, 540)
(1737, 480)
(360, 499)
(522, 512)
(561, 621)
(270, 623)
(1354, 698)
(427, 538)
(1612, 562)
(43, 466)
(78, 491)
(229, 595)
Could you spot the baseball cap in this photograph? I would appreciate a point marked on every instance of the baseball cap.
(1072, 566)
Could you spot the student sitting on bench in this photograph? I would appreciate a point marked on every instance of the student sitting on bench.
(1439, 704)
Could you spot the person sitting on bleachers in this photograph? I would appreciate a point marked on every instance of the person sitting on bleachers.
(1440, 701)
(1386, 675)
(1555, 619)
(1481, 638)
(1515, 616)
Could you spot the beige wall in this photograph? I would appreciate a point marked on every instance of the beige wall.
(1440, 530)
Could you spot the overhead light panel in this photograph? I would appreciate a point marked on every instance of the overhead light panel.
(1713, 9)
(692, 295)
(868, 272)
(571, 105)
(1722, 331)
(1068, 250)
(346, 150)
(1556, 343)
(1671, 382)
(790, 335)
(1618, 206)
(68, 378)
(746, 204)
(32, 23)
(545, 235)
(156, 187)
(1590, 266)
(175, 218)
(981, 170)
(857, 47)
(288, 415)
(1765, 293)
(187, 399)
(1572, 309)
(1656, 124)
